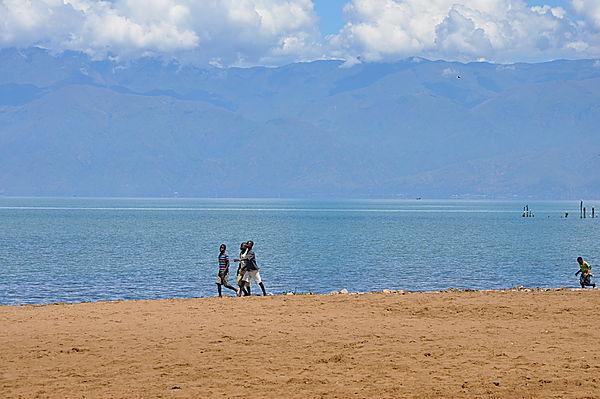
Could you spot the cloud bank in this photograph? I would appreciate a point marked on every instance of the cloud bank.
(274, 32)
(495, 30)
(224, 32)
(590, 10)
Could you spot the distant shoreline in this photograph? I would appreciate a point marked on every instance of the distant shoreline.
(390, 197)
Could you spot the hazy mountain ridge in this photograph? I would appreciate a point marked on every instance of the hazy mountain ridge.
(71, 126)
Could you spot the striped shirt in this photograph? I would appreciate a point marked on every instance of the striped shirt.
(223, 261)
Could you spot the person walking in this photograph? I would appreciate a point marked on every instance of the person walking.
(252, 270)
(223, 276)
(586, 274)
(241, 270)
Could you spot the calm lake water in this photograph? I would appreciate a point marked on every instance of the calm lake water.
(74, 250)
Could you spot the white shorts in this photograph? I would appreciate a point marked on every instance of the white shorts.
(222, 280)
(252, 275)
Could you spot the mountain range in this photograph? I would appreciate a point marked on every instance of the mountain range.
(73, 126)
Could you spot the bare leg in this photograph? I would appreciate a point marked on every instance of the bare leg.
(241, 289)
(230, 287)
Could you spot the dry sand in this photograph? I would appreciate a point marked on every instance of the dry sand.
(416, 345)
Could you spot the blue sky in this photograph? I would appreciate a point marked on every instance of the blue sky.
(276, 32)
(331, 15)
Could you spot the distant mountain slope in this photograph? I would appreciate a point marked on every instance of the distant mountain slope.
(71, 126)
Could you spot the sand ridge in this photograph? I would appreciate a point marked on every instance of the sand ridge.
(480, 344)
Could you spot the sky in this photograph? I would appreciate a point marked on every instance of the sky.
(276, 32)
(331, 14)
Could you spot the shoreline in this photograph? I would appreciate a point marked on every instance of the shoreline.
(511, 343)
(340, 292)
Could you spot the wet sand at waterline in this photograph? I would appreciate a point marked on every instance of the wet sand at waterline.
(482, 344)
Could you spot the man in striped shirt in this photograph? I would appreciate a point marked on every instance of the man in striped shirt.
(223, 276)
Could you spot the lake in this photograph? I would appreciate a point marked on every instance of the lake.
(87, 249)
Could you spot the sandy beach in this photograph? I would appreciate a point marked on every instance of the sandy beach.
(491, 344)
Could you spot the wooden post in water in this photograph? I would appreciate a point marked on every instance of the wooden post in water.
(527, 213)
(593, 212)
(581, 209)
(584, 212)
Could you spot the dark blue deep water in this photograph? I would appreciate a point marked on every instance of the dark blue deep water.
(74, 250)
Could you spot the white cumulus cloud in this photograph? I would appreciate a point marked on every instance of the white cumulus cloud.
(274, 32)
(590, 10)
(26, 22)
(227, 32)
(496, 30)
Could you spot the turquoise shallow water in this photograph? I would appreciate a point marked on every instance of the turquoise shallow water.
(73, 250)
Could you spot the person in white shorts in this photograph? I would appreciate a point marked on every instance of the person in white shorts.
(252, 270)
(241, 270)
